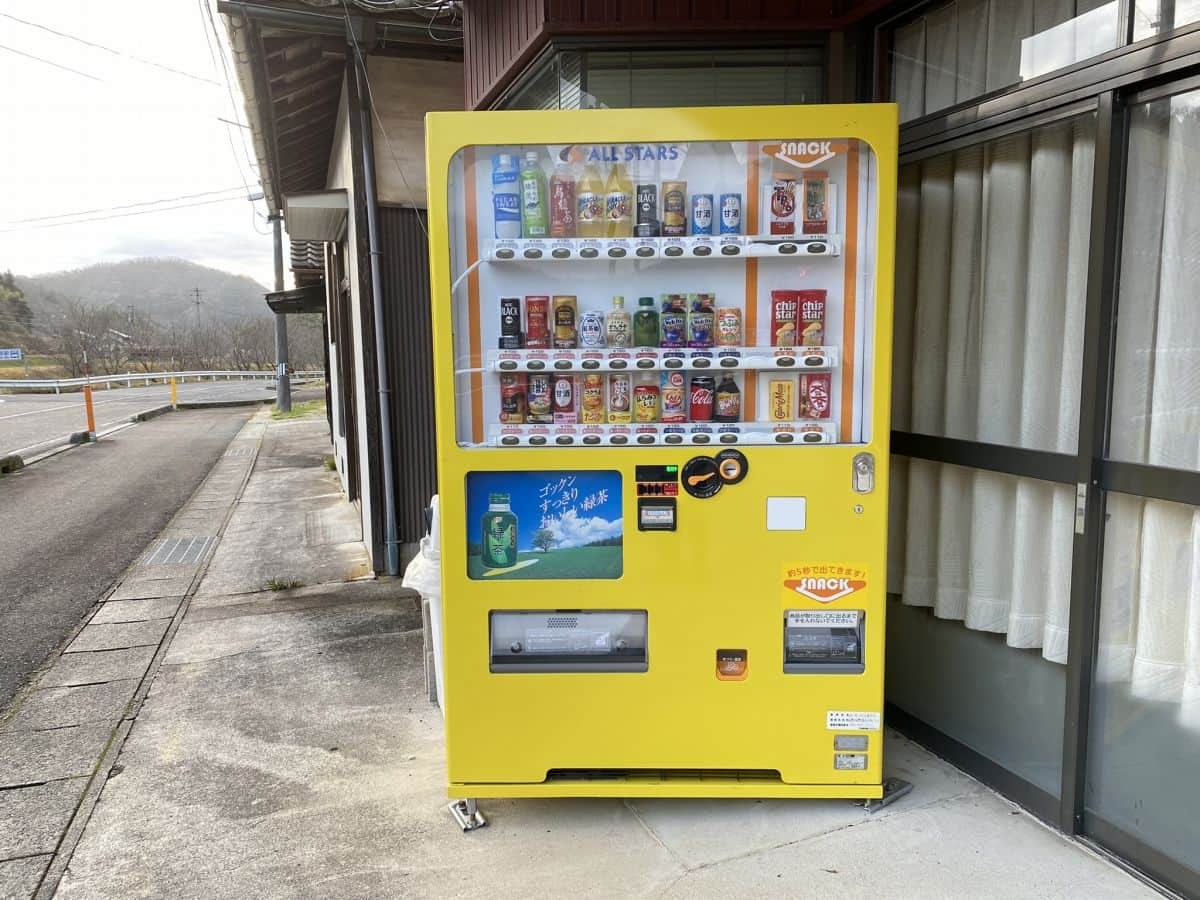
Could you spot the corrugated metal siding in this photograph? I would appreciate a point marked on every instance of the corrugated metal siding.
(404, 267)
(497, 39)
(620, 15)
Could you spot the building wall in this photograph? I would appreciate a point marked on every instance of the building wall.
(497, 39)
(404, 90)
(341, 175)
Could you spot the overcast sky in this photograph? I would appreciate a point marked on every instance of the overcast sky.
(128, 134)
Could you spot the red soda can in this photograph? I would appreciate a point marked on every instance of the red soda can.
(537, 322)
(701, 402)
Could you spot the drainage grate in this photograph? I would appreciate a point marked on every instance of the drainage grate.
(239, 451)
(178, 551)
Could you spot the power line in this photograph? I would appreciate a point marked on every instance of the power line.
(48, 62)
(140, 212)
(220, 53)
(147, 62)
(87, 212)
(362, 66)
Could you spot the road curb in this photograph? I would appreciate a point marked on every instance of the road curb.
(148, 414)
(225, 404)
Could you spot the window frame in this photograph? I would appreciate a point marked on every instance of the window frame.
(1109, 84)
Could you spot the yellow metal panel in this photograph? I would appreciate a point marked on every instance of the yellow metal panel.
(717, 582)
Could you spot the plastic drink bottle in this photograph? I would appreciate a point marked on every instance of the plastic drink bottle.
(589, 204)
(645, 324)
(499, 534)
(618, 203)
(535, 217)
(618, 325)
(506, 199)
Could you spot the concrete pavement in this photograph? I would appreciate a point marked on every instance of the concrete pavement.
(32, 422)
(286, 749)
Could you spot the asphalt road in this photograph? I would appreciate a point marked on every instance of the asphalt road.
(71, 524)
(28, 421)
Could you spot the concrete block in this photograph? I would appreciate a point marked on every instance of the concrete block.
(32, 819)
(119, 636)
(97, 666)
(975, 846)
(59, 707)
(142, 588)
(115, 611)
(701, 832)
(33, 757)
(19, 877)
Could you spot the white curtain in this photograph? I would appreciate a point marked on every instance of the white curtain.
(966, 48)
(995, 290)
(1150, 605)
(991, 286)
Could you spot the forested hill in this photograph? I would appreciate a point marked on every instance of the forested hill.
(160, 288)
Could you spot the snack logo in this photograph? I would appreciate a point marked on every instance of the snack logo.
(803, 154)
(824, 583)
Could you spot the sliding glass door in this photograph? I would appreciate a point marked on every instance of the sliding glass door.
(1143, 771)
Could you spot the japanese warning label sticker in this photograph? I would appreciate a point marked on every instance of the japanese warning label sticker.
(843, 720)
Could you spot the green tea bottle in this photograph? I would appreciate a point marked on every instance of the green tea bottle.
(499, 534)
(645, 323)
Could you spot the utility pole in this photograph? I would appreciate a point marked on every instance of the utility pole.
(283, 384)
(196, 301)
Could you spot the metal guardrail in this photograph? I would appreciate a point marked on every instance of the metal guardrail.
(144, 378)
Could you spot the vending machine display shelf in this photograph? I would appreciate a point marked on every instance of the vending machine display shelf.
(802, 431)
(649, 359)
(635, 249)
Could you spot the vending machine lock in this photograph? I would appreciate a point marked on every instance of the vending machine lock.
(864, 473)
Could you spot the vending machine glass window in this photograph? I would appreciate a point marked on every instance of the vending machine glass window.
(684, 292)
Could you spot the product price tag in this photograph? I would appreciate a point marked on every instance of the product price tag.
(533, 249)
(590, 248)
(674, 246)
(505, 249)
(562, 249)
(619, 248)
(731, 244)
(645, 248)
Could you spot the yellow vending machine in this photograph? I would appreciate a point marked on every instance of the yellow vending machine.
(662, 345)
